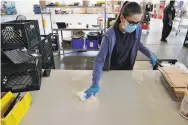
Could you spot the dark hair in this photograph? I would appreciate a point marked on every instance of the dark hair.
(129, 9)
(172, 2)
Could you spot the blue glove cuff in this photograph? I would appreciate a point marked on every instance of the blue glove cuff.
(95, 85)
(153, 60)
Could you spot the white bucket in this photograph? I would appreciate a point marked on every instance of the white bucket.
(184, 106)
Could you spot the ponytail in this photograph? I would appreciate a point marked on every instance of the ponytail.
(128, 9)
(118, 18)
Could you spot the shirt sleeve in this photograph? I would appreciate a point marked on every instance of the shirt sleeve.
(144, 50)
(170, 12)
(173, 14)
(100, 60)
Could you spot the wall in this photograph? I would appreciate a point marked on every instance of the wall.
(25, 7)
(71, 18)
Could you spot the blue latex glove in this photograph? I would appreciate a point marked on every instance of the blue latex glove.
(92, 90)
(170, 23)
(153, 60)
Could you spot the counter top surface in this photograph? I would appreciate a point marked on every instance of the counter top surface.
(126, 97)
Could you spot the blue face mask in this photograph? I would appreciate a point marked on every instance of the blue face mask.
(130, 28)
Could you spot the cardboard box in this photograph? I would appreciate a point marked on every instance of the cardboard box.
(42, 3)
(170, 70)
(177, 94)
(177, 81)
(175, 77)
(85, 3)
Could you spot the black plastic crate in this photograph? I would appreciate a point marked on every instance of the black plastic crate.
(46, 72)
(48, 62)
(21, 77)
(18, 56)
(46, 46)
(55, 41)
(20, 33)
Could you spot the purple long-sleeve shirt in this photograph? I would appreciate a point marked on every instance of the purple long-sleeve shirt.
(103, 58)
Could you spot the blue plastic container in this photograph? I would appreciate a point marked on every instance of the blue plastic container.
(77, 43)
(92, 44)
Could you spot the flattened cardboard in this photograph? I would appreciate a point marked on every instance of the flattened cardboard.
(166, 77)
(179, 90)
(170, 70)
(175, 77)
(179, 80)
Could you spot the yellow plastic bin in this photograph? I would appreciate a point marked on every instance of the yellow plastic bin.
(19, 110)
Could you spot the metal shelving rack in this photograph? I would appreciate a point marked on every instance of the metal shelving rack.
(184, 27)
(65, 7)
(50, 13)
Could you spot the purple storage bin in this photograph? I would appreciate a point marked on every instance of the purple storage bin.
(77, 43)
(92, 44)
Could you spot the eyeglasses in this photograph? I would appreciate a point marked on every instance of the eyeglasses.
(132, 22)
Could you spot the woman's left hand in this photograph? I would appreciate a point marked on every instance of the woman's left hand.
(153, 60)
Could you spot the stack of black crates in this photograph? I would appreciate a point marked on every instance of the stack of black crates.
(21, 77)
(19, 34)
(47, 54)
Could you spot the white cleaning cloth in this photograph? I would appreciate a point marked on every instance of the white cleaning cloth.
(82, 96)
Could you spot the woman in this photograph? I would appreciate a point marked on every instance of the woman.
(120, 45)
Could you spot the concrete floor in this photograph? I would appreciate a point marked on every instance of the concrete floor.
(172, 50)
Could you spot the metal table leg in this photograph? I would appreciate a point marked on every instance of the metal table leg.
(179, 26)
(62, 41)
(59, 45)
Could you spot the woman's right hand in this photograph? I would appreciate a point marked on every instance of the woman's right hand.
(92, 91)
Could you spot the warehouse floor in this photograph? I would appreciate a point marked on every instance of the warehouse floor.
(172, 50)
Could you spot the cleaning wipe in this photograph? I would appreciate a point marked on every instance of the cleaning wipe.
(82, 96)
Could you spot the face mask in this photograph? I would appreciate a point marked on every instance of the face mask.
(130, 28)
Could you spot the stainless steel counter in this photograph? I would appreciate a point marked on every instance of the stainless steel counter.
(125, 98)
